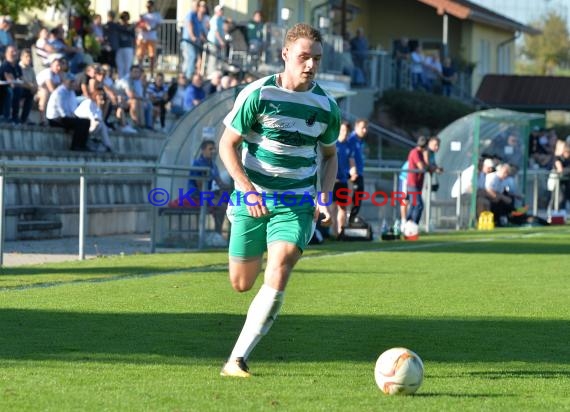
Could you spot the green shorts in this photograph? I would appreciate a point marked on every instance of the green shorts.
(287, 223)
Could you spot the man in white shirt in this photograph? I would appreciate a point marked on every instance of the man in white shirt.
(91, 109)
(501, 202)
(60, 112)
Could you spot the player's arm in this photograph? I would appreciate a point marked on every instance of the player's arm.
(229, 144)
(328, 173)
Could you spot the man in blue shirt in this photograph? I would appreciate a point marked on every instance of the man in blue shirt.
(194, 93)
(207, 158)
(356, 144)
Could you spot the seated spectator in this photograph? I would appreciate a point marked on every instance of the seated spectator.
(91, 109)
(157, 92)
(501, 200)
(13, 92)
(194, 93)
(74, 55)
(60, 112)
(540, 148)
(176, 93)
(43, 49)
(215, 185)
(215, 82)
(132, 91)
(48, 79)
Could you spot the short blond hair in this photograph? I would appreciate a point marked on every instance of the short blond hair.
(302, 31)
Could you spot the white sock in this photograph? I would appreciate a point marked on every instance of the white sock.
(262, 313)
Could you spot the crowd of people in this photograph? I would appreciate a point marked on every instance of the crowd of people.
(428, 71)
(112, 65)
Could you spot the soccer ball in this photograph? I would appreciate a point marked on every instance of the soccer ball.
(399, 371)
(410, 230)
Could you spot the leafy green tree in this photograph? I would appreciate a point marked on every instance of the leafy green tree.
(549, 50)
(14, 7)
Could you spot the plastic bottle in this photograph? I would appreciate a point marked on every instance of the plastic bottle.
(384, 228)
(397, 229)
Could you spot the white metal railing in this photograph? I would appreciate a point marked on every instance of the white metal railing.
(81, 171)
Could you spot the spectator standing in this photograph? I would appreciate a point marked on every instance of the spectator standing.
(193, 38)
(29, 85)
(255, 40)
(432, 71)
(417, 166)
(342, 152)
(448, 77)
(148, 36)
(562, 168)
(125, 53)
(60, 112)
(401, 55)
(194, 93)
(356, 144)
(359, 50)
(110, 44)
(6, 38)
(216, 35)
(417, 68)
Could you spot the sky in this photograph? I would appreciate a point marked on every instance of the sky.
(527, 11)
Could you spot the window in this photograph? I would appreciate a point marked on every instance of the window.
(484, 64)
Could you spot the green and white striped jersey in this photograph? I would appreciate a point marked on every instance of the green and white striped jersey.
(281, 129)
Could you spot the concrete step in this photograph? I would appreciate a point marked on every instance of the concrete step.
(48, 139)
(38, 229)
(41, 192)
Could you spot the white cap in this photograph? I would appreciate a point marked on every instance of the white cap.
(218, 7)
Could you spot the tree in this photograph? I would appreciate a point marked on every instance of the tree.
(14, 7)
(548, 50)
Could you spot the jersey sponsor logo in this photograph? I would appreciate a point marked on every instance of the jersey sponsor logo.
(312, 119)
(272, 123)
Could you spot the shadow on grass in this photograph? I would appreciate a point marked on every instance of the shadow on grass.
(185, 338)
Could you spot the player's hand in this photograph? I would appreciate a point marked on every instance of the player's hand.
(323, 212)
(255, 205)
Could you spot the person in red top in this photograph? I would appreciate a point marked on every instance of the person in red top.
(415, 180)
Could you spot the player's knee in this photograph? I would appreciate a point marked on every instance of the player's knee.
(241, 285)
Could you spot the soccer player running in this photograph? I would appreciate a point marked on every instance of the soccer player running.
(278, 121)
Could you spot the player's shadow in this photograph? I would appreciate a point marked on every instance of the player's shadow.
(183, 338)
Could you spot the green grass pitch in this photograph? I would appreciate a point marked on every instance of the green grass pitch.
(488, 312)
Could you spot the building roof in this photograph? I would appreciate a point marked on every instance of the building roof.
(465, 10)
(525, 92)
